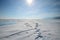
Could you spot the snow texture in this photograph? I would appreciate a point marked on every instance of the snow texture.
(30, 29)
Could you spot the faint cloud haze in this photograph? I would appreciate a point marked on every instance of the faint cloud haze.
(19, 9)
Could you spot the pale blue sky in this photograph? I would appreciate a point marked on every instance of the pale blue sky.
(19, 9)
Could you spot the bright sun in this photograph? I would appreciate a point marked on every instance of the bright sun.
(29, 2)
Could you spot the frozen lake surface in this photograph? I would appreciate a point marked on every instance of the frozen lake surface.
(29, 29)
(5, 22)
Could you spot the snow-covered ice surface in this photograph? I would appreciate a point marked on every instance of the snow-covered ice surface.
(31, 29)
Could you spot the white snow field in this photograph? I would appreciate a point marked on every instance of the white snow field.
(30, 29)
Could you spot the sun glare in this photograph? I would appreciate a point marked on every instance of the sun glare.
(29, 2)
